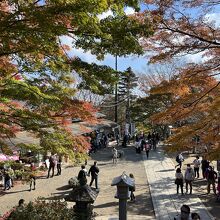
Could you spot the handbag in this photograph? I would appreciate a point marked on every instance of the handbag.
(178, 181)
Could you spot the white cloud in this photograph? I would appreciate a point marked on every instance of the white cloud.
(85, 56)
(196, 58)
(129, 11)
(214, 17)
(105, 14)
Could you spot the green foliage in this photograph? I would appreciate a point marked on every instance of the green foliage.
(36, 79)
(19, 174)
(98, 79)
(43, 210)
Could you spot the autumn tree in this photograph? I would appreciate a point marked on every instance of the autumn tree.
(147, 104)
(185, 28)
(36, 78)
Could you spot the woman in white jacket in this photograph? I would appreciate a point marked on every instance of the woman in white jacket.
(189, 177)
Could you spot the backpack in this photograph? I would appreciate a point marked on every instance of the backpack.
(177, 159)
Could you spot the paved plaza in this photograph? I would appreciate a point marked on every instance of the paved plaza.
(155, 193)
(161, 176)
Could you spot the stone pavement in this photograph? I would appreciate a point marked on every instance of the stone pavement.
(154, 178)
(105, 205)
(161, 176)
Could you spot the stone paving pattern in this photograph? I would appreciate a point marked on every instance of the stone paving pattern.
(154, 178)
(161, 176)
(105, 204)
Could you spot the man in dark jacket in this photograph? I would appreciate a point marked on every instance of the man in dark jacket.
(52, 161)
(94, 170)
(211, 177)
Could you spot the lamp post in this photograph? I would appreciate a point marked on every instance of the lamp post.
(123, 183)
(116, 91)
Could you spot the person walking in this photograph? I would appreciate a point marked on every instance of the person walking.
(132, 189)
(82, 175)
(211, 176)
(114, 155)
(189, 177)
(94, 170)
(179, 180)
(147, 149)
(196, 164)
(179, 160)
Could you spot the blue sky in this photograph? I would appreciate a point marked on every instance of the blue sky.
(137, 63)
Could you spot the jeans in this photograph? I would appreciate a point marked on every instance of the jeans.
(96, 181)
(58, 169)
(147, 153)
(179, 186)
(196, 170)
(189, 183)
(50, 167)
(209, 183)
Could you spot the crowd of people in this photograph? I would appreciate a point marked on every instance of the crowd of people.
(208, 173)
(98, 141)
(146, 142)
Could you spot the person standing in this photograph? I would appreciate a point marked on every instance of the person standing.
(132, 189)
(117, 137)
(179, 180)
(32, 177)
(114, 155)
(189, 177)
(211, 176)
(94, 170)
(196, 163)
(51, 165)
(205, 165)
(59, 162)
(7, 181)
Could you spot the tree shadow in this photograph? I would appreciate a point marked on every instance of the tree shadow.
(12, 192)
(168, 170)
(105, 205)
(66, 187)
